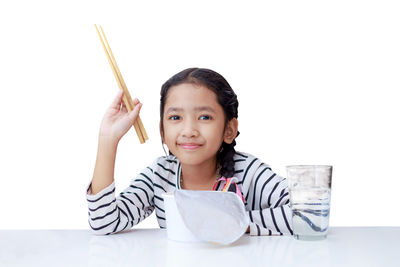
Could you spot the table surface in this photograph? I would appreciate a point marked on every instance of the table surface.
(344, 246)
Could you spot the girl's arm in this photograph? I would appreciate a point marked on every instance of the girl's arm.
(103, 174)
(267, 201)
(115, 124)
(110, 214)
(106, 213)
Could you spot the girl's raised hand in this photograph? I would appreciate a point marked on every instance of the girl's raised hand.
(117, 120)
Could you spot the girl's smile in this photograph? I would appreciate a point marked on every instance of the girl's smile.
(189, 146)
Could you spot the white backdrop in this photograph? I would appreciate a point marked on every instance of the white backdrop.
(316, 83)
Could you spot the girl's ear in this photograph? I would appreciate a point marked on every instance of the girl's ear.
(231, 131)
(161, 134)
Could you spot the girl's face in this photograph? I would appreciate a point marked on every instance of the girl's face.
(193, 123)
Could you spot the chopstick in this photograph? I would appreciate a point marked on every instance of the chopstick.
(140, 131)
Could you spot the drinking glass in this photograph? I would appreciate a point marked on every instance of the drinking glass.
(310, 197)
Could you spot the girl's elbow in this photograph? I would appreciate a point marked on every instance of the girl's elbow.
(99, 230)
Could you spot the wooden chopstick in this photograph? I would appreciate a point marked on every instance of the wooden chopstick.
(140, 131)
(139, 121)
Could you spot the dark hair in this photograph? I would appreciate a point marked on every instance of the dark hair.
(226, 98)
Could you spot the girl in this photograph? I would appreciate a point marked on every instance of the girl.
(198, 124)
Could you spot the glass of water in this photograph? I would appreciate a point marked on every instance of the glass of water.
(310, 197)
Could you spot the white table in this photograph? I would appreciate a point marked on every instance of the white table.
(344, 246)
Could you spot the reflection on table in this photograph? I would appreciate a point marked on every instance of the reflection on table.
(344, 246)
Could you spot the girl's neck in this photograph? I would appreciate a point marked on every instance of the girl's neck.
(199, 177)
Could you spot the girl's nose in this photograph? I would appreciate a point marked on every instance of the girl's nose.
(189, 130)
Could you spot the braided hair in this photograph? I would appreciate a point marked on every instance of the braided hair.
(226, 98)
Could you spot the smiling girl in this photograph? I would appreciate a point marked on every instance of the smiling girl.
(198, 124)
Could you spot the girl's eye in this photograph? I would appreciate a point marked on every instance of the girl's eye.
(206, 117)
(174, 117)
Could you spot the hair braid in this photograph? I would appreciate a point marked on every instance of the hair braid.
(225, 158)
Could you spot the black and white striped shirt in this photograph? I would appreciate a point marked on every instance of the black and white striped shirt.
(265, 192)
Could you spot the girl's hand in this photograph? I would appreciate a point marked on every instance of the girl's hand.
(117, 120)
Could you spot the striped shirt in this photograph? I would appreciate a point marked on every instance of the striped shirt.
(266, 197)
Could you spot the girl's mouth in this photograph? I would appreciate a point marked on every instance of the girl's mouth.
(189, 146)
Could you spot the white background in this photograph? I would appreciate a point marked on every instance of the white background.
(316, 83)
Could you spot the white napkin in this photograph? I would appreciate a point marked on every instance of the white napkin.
(212, 216)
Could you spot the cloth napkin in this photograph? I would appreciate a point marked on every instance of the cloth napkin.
(212, 216)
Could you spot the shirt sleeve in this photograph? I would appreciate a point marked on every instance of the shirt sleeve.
(270, 212)
(109, 214)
